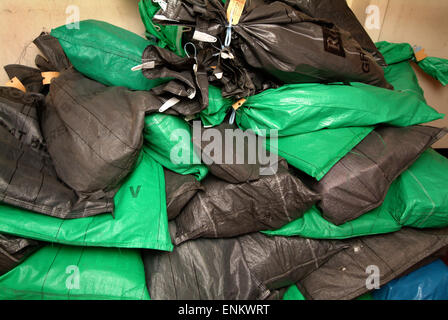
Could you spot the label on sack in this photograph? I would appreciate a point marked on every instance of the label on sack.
(15, 83)
(204, 37)
(238, 104)
(420, 54)
(333, 42)
(48, 76)
(235, 10)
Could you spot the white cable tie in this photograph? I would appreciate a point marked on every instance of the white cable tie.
(168, 104)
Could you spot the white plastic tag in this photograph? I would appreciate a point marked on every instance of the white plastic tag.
(146, 65)
(168, 104)
(163, 18)
(204, 37)
(225, 55)
(191, 96)
(162, 4)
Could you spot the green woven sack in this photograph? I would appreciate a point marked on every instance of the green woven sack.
(140, 217)
(217, 109)
(74, 273)
(293, 293)
(400, 54)
(168, 37)
(169, 141)
(436, 68)
(315, 153)
(106, 53)
(301, 108)
(416, 199)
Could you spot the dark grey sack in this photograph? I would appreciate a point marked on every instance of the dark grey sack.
(19, 116)
(54, 58)
(228, 210)
(180, 189)
(305, 50)
(189, 87)
(338, 12)
(359, 182)
(31, 78)
(94, 133)
(14, 250)
(27, 176)
(345, 275)
(299, 48)
(245, 145)
(243, 268)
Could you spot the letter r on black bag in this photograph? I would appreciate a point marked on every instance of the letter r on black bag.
(333, 42)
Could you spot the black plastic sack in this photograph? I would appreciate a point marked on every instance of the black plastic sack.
(54, 58)
(243, 146)
(14, 250)
(189, 86)
(280, 40)
(305, 50)
(31, 78)
(180, 189)
(345, 275)
(192, 75)
(226, 210)
(93, 132)
(27, 177)
(359, 182)
(243, 268)
(19, 116)
(338, 12)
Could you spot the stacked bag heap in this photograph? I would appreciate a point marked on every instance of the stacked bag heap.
(89, 186)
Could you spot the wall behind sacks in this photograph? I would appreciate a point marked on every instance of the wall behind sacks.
(418, 22)
(21, 21)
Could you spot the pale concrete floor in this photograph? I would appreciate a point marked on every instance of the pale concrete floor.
(419, 22)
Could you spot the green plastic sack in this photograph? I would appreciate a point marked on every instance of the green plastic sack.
(417, 199)
(403, 78)
(315, 153)
(106, 53)
(313, 225)
(140, 220)
(169, 141)
(436, 68)
(396, 53)
(399, 72)
(301, 108)
(217, 109)
(52, 274)
(293, 293)
(169, 37)
(367, 296)
(423, 193)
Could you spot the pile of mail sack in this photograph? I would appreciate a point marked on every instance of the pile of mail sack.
(113, 185)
